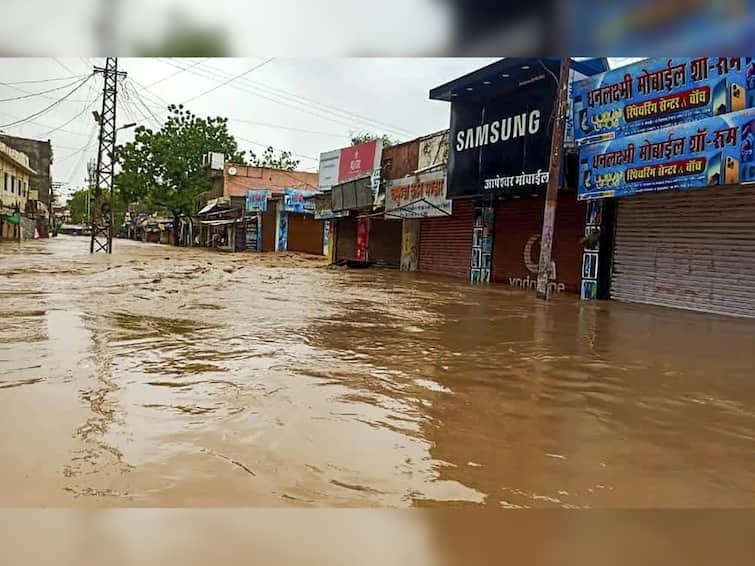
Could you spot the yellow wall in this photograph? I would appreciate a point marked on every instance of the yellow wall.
(10, 199)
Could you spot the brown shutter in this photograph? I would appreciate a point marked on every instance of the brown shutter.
(304, 233)
(445, 243)
(519, 221)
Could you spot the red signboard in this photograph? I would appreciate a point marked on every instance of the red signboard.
(358, 161)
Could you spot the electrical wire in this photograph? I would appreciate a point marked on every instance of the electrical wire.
(63, 65)
(348, 114)
(301, 105)
(78, 115)
(33, 94)
(176, 73)
(43, 80)
(49, 107)
(228, 81)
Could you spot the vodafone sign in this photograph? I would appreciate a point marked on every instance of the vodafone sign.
(359, 160)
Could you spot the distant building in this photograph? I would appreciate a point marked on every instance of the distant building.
(39, 154)
(15, 173)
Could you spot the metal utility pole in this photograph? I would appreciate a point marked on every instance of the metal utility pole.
(554, 177)
(101, 209)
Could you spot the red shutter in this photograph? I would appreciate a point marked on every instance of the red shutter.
(519, 221)
(445, 244)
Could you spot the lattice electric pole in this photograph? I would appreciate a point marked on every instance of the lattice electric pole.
(101, 209)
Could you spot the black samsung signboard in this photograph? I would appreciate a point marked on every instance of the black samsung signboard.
(501, 145)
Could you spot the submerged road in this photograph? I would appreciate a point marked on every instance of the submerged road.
(171, 377)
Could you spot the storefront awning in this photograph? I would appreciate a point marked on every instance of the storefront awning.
(218, 222)
(208, 208)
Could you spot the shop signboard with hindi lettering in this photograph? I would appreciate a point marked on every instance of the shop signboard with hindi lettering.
(714, 151)
(297, 200)
(422, 196)
(256, 200)
(501, 144)
(657, 93)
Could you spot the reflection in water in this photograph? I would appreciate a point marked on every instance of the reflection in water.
(173, 377)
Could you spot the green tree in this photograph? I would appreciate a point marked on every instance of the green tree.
(364, 137)
(77, 206)
(164, 169)
(284, 160)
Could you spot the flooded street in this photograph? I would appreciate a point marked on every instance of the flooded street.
(167, 377)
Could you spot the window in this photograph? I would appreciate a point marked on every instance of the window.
(5, 182)
(12, 184)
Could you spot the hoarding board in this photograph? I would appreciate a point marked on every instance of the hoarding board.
(422, 196)
(713, 151)
(297, 200)
(433, 151)
(359, 160)
(352, 195)
(657, 93)
(329, 168)
(324, 209)
(256, 200)
(501, 145)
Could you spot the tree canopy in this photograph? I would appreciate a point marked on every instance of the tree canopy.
(164, 168)
(77, 206)
(284, 159)
(364, 137)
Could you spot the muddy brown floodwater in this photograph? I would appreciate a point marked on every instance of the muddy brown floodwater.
(164, 377)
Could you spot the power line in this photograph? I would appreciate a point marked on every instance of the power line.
(33, 94)
(66, 67)
(334, 109)
(233, 78)
(49, 107)
(174, 74)
(303, 106)
(43, 80)
(78, 115)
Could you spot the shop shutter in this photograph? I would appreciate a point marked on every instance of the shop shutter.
(445, 243)
(516, 248)
(346, 238)
(689, 249)
(384, 245)
(304, 233)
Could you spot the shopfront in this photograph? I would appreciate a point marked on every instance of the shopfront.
(499, 156)
(671, 198)
(351, 177)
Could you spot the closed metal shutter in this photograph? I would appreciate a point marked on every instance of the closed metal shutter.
(516, 248)
(445, 244)
(304, 234)
(384, 244)
(346, 238)
(687, 249)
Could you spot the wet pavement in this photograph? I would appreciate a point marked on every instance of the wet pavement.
(164, 377)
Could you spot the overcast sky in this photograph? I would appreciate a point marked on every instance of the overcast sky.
(305, 106)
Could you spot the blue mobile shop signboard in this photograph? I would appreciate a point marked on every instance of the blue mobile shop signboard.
(657, 93)
(295, 200)
(256, 200)
(712, 151)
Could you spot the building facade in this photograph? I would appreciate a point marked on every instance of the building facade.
(497, 175)
(15, 172)
(668, 180)
(40, 182)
